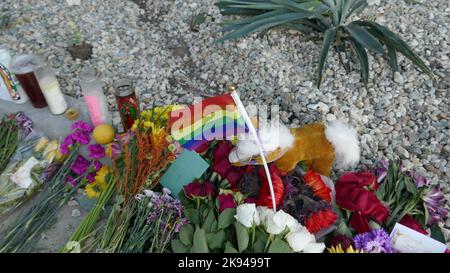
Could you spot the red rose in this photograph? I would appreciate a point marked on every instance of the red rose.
(223, 167)
(352, 194)
(226, 201)
(359, 223)
(202, 148)
(410, 222)
(199, 189)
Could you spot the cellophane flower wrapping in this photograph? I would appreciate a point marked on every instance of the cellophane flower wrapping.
(31, 165)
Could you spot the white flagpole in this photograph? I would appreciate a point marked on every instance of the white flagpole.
(252, 129)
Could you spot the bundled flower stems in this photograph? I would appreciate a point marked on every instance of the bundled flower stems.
(9, 140)
(26, 230)
(86, 227)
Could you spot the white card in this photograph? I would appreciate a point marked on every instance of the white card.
(406, 240)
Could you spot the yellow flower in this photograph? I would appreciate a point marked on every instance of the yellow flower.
(148, 124)
(338, 249)
(100, 177)
(135, 124)
(94, 189)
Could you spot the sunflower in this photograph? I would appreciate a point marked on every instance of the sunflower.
(94, 189)
(338, 249)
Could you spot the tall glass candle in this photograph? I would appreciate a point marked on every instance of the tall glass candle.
(50, 88)
(23, 68)
(94, 97)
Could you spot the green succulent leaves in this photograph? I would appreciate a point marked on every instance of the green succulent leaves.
(327, 18)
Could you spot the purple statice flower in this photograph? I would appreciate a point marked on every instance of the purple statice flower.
(25, 123)
(375, 241)
(71, 181)
(82, 126)
(163, 204)
(80, 166)
(434, 202)
(97, 165)
(80, 137)
(419, 180)
(96, 151)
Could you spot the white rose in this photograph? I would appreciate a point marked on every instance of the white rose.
(314, 248)
(247, 215)
(265, 214)
(299, 240)
(279, 221)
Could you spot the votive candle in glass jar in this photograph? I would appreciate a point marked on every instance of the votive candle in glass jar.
(95, 99)
(127, 103)
(23, 67)
(10, 88)
(51, 89)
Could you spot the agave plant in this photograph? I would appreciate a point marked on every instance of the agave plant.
(329, 17)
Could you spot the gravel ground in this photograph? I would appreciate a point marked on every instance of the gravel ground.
(153, 43)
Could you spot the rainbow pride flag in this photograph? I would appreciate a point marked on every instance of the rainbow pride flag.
(213, 118)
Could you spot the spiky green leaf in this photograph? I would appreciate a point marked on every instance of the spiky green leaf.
(328, 39)
(264, 24)
(363, 60)
(364, 38)
(391, 39)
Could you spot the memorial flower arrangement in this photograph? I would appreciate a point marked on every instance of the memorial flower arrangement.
(229, 206)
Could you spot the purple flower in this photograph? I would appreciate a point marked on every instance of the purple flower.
(126, 137)
(434, 202)
(71, 181)
(375, 241)
(97, 165)
(91, 177)
(96, 151)
(81, 126)
(382, 170)
(419, 180)
(80, 166)
(67, 142)
(80, 137)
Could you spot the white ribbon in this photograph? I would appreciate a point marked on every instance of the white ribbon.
(252, 129)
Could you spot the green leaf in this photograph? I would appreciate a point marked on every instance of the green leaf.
(328, 39)
(200, 245)
(216, 240)
(279, 246)
(392, 59)
(209, 222)
(229, 248)
(259, 246)
(264, 24)
(364, 38)
(193, 215)
(179, 247)
(410, 187)
(334, 9)
(187, 234)
(363, 59)
(357, 7)
(226, 218)
(242, 236)
(436, 233)
(391, 39)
